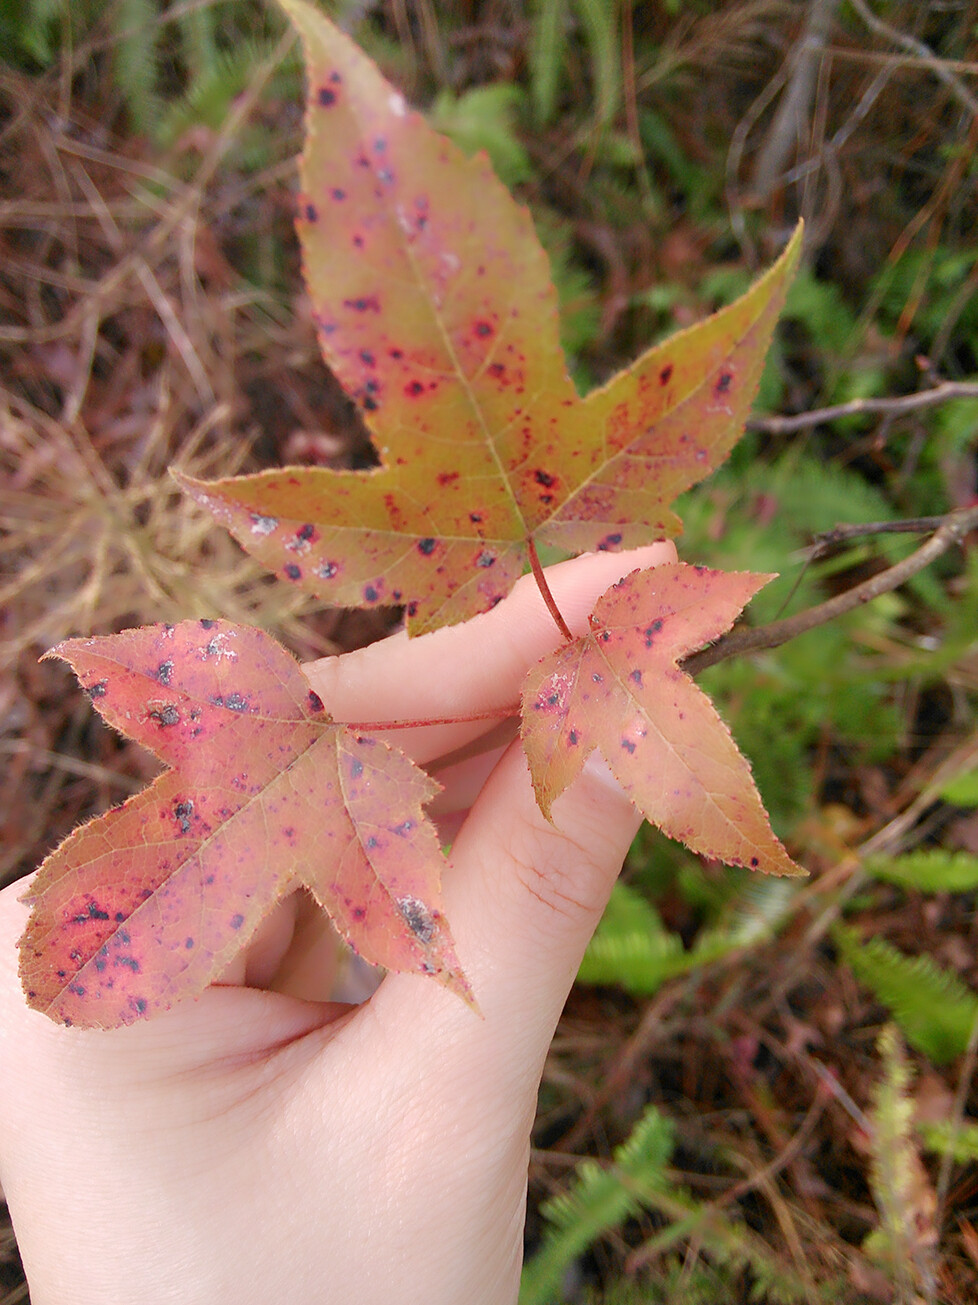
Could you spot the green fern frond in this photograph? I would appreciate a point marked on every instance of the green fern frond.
(135, 64)
(546, 55)
(932, 1006)
(904, 1240)
(932, 870)
(208, 99)
(600, 1199)
(959, 1141)
(631, 948)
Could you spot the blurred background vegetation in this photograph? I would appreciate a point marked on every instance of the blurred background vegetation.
(761, 1091)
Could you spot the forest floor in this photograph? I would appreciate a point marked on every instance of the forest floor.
(152, 314)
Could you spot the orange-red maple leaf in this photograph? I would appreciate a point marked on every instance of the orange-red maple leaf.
(150, 902)
(435, 309)
(618, 689)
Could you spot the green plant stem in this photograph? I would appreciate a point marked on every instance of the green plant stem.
(955, 526)
(544, 588)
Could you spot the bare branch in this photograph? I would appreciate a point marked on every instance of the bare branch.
(954, 528)
(910, 43)
(892, 407)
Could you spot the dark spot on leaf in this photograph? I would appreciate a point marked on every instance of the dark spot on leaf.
(356, 767)
(418, 918)
(97, 690)
(371, 843)
(188, 943)
(572, 738)
(236, 921)
(447, 477)
(651, 631)
(380, 144)
(292, 571)
(609, 541)
(369, 403)
(327, 570)
(412, 609)
(91, 912)
(314, 700)
(483, 329)
(485, 560)
(544, 478)
(628, 745)
(207, 625)
(164, 671)
(312, 213)
(235, 702)
(754, 862)
(367, 358)
(370, 594)
(140, 1004)
(337, 193)
(597, 678)
(723, 384)
(636, 676)
(358, 913)
(306, 533)
(496, 369)
(413, 389)
(120, 916)
(166, 715)
(363, 304)
(426, 546)
(386, 176)
(183, 811)
(666, 374)
(325, 97)
(126, 962)
(397, 354)
(475, 518)
(77, 988)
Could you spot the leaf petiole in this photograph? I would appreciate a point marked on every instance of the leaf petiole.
(545, 593)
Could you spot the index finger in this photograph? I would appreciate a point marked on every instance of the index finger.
(476, 667)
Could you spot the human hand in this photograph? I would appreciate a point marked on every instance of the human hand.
(253, 1145)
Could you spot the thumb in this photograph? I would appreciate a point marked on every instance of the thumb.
(524, 897)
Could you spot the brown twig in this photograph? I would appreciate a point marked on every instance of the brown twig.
(922, 51)
(891, 407)
(954, 528)
(544, 588)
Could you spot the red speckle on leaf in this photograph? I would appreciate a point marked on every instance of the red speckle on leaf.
(497, 370)
(446, 478)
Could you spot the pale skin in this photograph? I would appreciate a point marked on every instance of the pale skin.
(256, 1145)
